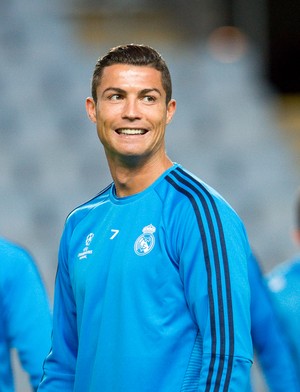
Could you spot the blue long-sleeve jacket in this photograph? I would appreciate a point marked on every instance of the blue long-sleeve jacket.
(152, 293)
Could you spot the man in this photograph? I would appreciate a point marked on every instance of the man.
(152, 291)
(25, 318)
(284, 284)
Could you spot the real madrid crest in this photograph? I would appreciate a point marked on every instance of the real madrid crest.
(145, 242)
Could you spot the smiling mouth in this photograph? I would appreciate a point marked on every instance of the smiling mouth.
(130, 131)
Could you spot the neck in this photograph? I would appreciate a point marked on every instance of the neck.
(133, 179)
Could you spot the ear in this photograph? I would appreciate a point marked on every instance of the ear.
(91, 109)
(171, 108)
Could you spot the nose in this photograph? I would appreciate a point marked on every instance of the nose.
(131, 109)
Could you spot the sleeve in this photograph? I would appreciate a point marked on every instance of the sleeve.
(213, 265)
(27, 314)
(59, 367)
(268, 339)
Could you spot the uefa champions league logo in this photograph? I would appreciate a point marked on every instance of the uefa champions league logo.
(89, 239)
(86, 251)
(145, 242)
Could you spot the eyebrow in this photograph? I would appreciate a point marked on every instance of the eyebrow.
(115, 89)
(121, 91)
(150, 90)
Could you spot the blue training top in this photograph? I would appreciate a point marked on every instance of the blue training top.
(284, 284)
(25, 318)
(268, 336)
(152, 293)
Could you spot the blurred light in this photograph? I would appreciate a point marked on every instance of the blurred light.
(227, 44)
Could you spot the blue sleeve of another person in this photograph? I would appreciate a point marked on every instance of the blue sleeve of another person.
(268, 339)
(26, 314)
(283, 282)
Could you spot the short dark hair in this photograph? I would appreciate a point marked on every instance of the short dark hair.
(133, 54)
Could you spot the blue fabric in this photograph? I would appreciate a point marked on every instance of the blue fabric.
(284, 284)
(268, 337)
(152, 293)
(25, 318)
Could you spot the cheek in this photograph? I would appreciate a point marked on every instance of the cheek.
(157, 118)
(101, 119)
(101, 129)
(107, 115)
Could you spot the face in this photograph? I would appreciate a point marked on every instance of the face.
(131, 113)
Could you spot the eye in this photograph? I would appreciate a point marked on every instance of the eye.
(115, 97)
(149, 98)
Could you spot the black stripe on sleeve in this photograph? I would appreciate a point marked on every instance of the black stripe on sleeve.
(208, 269)
(188, 186)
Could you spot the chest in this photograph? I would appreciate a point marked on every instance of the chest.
(120, 250)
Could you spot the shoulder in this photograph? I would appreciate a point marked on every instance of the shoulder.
(286, 268)
(185, 188)
(16, 262)
(80, 215)
(284, 274)
(11, 252)
(81, 211)
(193, 207)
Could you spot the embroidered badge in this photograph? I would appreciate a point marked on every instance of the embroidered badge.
(86, 251)
(146, 241)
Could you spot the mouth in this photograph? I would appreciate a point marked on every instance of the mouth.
(131, 131)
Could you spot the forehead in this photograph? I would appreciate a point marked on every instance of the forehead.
(127, 76)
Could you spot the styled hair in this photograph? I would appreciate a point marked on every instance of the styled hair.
(133, 54)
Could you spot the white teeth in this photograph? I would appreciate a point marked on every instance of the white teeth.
(131, 131)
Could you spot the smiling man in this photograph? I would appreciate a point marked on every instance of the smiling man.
(152, 290)
(130, 110)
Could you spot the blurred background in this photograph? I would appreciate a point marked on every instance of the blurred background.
(235, 69)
